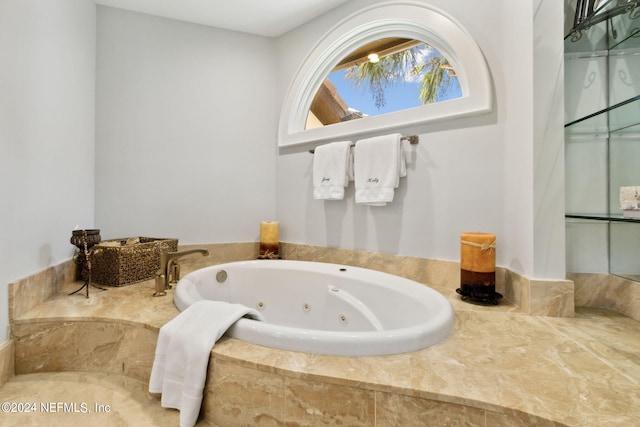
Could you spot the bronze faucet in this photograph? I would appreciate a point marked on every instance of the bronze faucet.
(169, 270)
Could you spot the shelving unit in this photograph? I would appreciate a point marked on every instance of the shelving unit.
(602, 139)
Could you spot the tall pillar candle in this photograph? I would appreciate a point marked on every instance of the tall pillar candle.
(478, 265)
(269, 239)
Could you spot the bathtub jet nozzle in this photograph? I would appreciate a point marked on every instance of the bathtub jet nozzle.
(221, 276)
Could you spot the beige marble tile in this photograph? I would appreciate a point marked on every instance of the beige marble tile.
(512, 418)
(518, 369)
(491, 360)
(310, 403)
(218, 254)
(378, 372)
(236, 395)
(609, 336)
(112, 347)
(134, 303)
(399, 410)
(92, 399)
(607, 291)
(26, 293)
(516, 289)
(551, 298)
(490, 364)
(7, 357)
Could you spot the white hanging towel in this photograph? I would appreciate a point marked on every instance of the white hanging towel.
(331, 165)
(182, 354)
(378, 165)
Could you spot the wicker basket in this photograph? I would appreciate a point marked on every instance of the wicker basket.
(120, 262)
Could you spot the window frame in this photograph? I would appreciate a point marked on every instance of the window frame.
(408, 20)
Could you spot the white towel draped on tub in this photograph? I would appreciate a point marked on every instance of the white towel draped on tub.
(183, 350)
(378, 165)
(331, 165)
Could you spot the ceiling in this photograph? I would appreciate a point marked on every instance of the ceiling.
(270, 18)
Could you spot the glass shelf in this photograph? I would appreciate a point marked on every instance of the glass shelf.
(623, 119)
(602, 138)
(594, 217)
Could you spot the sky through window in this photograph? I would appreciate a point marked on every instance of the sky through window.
(398, 77)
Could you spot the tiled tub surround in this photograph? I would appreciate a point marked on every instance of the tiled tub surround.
(28, 292)
(535, 297)
(607, 291)
(7, 358)
(498, 368)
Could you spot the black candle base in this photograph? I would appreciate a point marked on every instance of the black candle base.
(479, 294)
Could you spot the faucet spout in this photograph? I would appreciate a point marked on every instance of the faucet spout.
(168, 262)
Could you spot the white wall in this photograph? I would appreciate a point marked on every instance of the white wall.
(496, 173)
(47, 69)
(186, 130)
(549, 255)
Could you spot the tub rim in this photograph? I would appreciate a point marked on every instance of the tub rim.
(346, 343)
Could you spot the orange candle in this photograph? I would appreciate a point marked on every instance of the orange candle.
(478, 265)
(269, 239)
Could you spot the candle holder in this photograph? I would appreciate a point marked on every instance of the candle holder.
(478, 268)
(478, 295)
(85, 240)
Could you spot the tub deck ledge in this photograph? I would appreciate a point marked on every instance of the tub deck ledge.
(499, 367)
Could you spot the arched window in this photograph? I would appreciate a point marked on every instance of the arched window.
(387, 22)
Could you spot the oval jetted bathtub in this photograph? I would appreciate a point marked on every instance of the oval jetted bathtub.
(323, 308)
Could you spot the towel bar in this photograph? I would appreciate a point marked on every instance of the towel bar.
(413, 139)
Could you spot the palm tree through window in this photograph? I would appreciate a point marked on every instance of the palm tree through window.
(386, 75)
